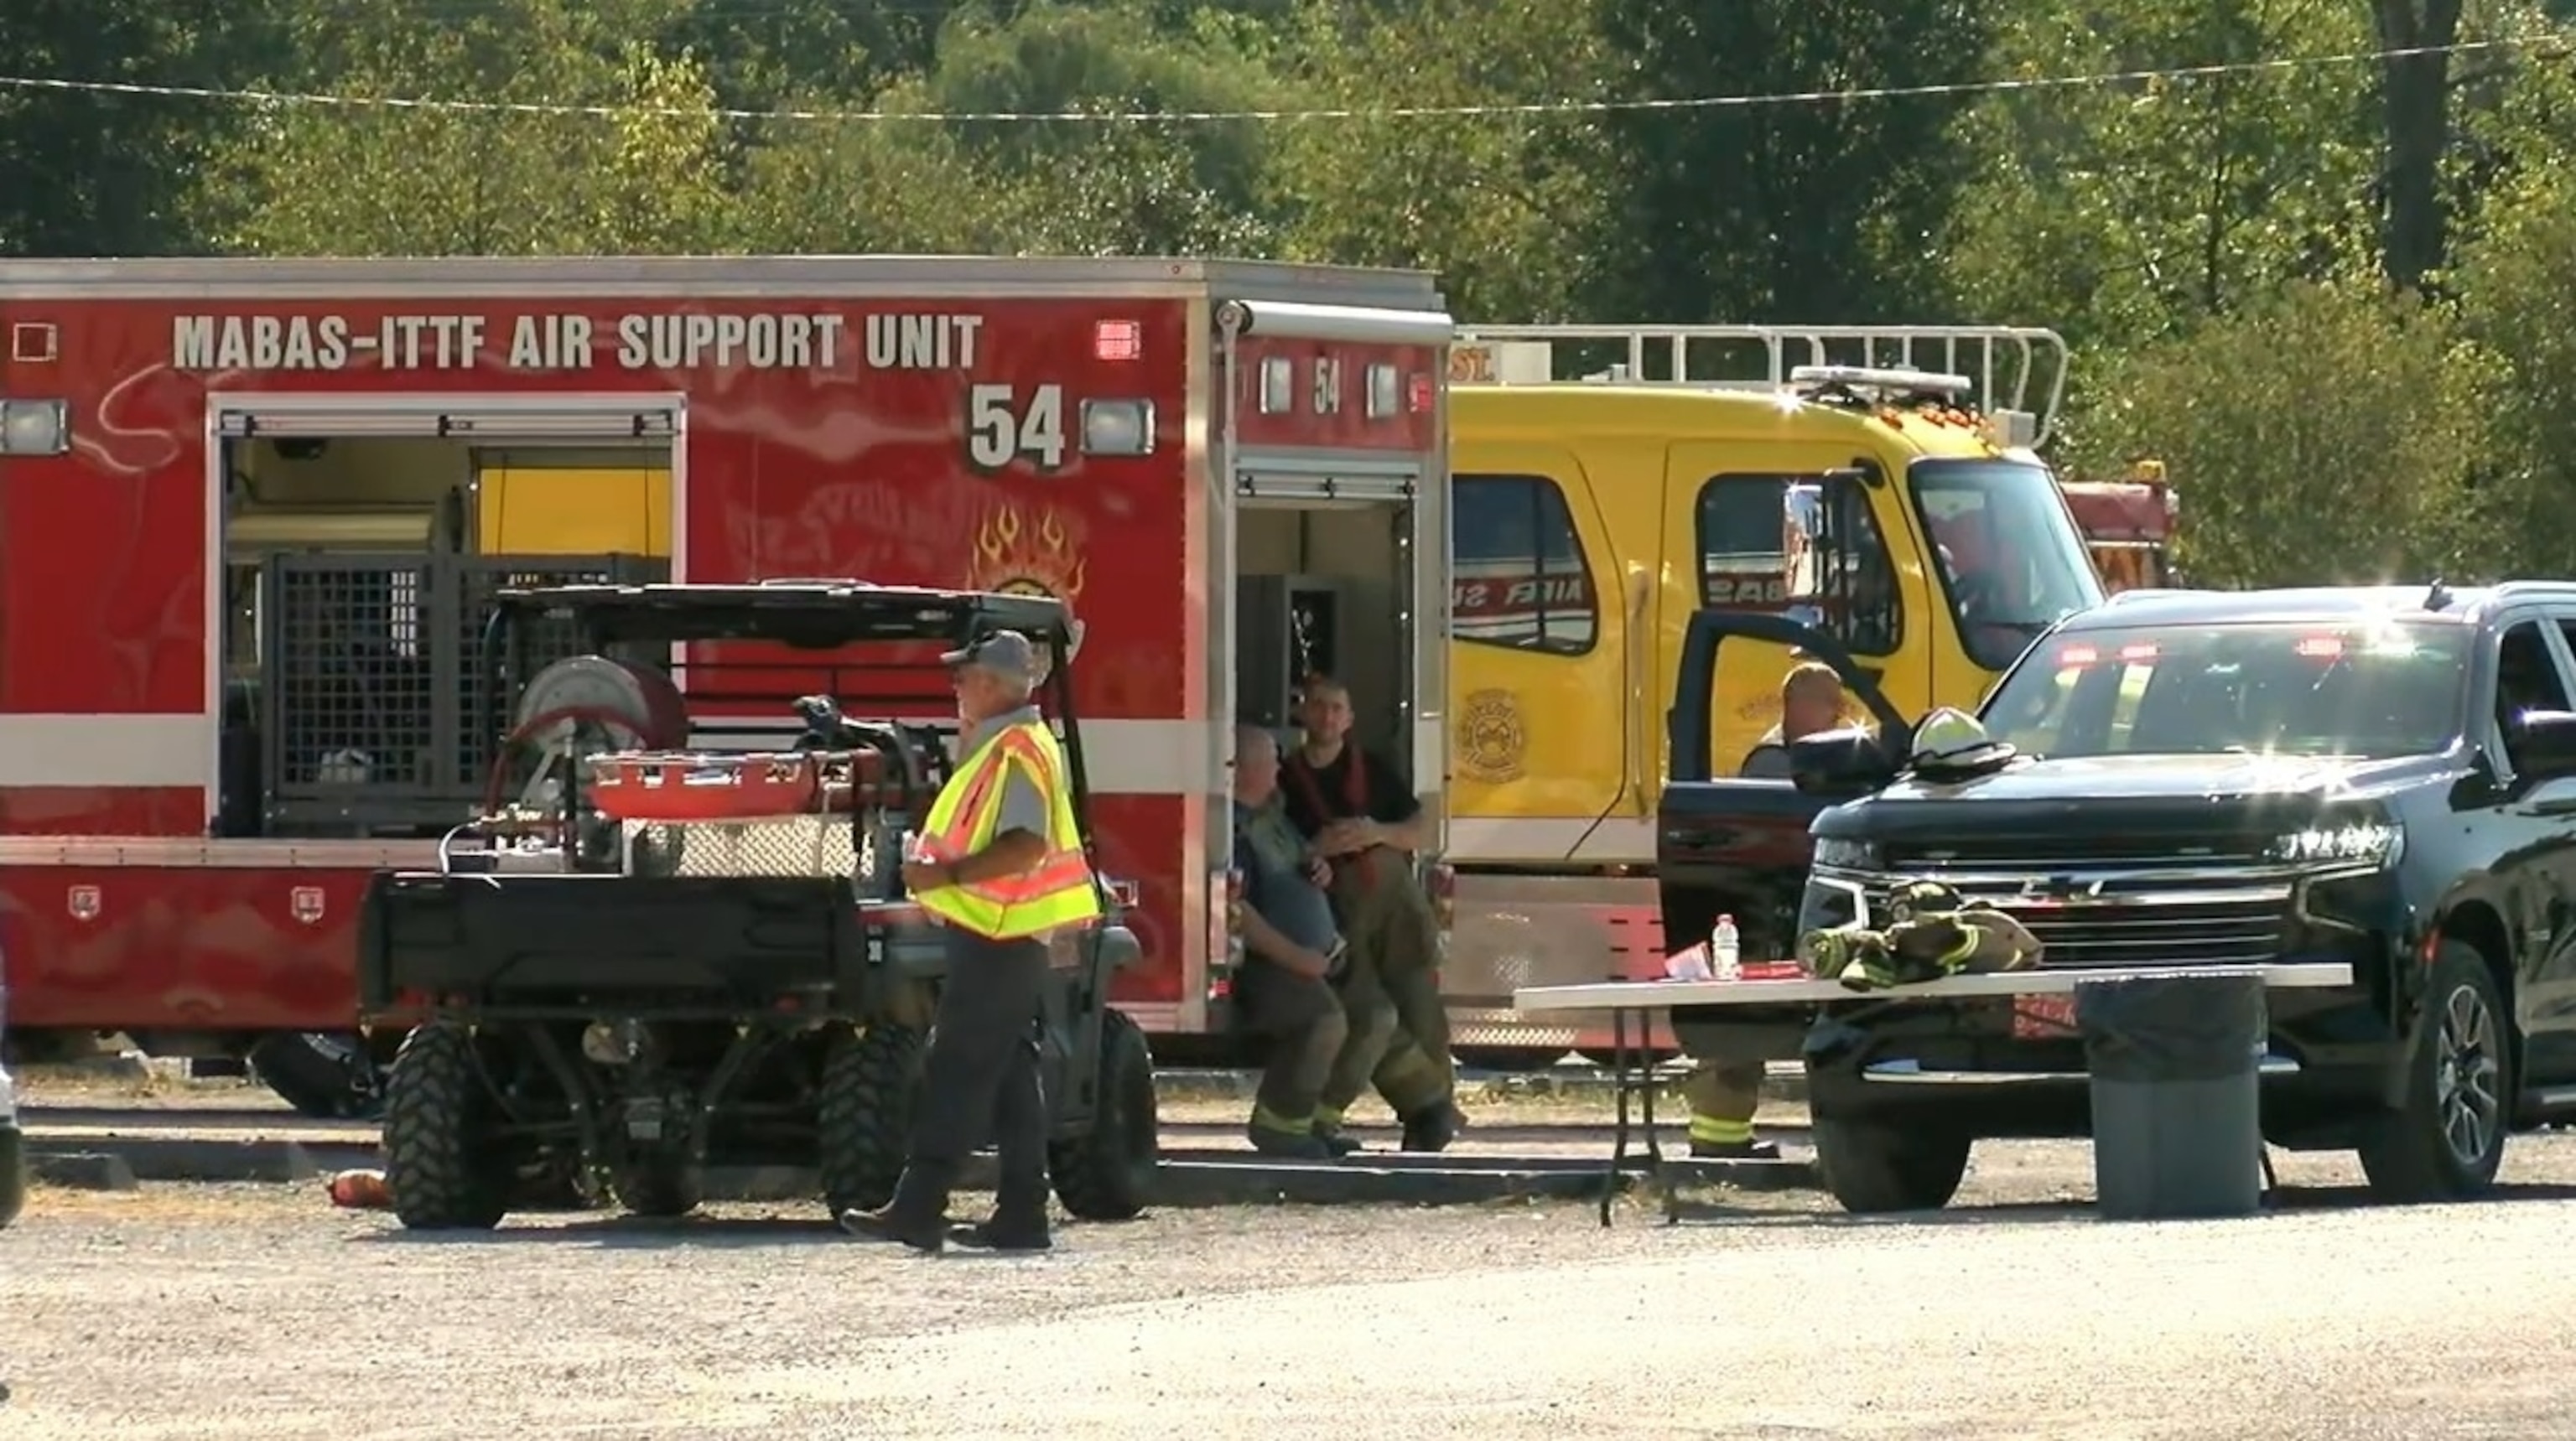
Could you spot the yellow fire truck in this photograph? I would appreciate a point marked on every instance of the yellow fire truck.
(1609, 481)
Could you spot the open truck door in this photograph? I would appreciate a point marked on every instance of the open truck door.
(1730, 846)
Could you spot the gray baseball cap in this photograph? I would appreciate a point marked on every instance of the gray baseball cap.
(1004, 653)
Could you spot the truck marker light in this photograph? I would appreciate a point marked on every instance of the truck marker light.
(2076, 656)
(1278, 385)
(35, 427)
(2320, 647)
(1117, 340)
(2144, 650)
(1422, 394)
(1118, 427)
(1385, 391)
(34, 342)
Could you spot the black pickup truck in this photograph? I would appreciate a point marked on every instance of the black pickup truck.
(2381, 776)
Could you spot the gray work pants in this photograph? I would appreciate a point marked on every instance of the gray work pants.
(981, 1078)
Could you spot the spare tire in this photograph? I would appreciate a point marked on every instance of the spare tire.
(330, 1077)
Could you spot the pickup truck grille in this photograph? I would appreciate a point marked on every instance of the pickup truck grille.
(2146, 922)
(2058, 853)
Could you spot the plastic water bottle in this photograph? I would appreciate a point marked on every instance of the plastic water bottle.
(1725, 951)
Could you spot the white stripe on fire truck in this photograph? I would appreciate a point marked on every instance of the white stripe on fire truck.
(1121, 757)
(106, 750)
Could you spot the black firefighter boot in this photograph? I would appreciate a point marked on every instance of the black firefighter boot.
(1019, 1219)
(916, 1217)
(1432, 1127)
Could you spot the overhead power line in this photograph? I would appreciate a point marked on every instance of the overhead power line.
(2102, 79)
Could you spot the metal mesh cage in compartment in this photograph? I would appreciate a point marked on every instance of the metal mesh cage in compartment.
(379, 703)
(352, 674)
(783, 846)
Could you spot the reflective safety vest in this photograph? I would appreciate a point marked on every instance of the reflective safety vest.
(1058, 891)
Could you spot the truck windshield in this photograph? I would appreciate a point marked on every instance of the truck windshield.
(2011, 562)
(2370, 692)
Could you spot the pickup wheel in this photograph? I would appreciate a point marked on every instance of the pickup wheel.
(1108, 1172)
(2447, 1138)
(1873, 1167)
(871, 1087)
(441, 1162)
(659, 1187)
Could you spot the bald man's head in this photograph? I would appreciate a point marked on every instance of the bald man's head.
(1256, 764)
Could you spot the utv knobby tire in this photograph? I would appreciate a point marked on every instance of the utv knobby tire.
(871, 1088)
(1108, 1173)
(662, 1188)
(2414, 1153)
(441, 1162)
(1872, 1168)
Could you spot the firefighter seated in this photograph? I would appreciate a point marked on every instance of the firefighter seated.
(1295, 954)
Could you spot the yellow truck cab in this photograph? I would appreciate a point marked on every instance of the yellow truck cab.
(1879, 482)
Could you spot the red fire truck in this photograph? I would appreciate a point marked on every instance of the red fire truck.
(254, 511)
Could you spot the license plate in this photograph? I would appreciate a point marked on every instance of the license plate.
(2043, 1017)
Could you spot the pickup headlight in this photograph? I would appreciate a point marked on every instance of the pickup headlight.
(2355, 843)
(1842, 853)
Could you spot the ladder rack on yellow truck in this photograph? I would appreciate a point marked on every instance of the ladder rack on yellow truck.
(1609, 481)
(2015, 368)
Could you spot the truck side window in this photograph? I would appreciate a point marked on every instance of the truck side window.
(1520, 580)
(2526, 679)
(1744, 562)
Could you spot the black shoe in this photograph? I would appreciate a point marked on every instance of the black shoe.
(1015, 1239)
(1337, 1143)
(1288, 1145)
(1734, 1151)
(929, 1237)
(1432, 1128)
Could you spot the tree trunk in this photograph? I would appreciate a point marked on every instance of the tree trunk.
(2415, 99)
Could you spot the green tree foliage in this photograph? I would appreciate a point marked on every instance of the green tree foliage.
(1509, 210)
(2129, 213)
(1810, 212)
(2517, 276)
(330, 180)
(102, 173)
(2326, 433)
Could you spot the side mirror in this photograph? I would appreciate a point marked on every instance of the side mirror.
(2544, 743)
(1840, 762)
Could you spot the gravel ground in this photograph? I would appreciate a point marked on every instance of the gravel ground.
(212, 1312)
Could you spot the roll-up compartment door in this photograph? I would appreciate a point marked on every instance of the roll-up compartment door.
(482, 421)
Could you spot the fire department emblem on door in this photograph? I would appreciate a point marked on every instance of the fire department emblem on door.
(1491, 740)
(305, 903)
(1020, 552)
(83, 902)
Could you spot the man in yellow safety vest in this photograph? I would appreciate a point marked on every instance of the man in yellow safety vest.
(999, 865)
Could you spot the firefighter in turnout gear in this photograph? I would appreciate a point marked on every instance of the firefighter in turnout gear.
(1362, 817)
(1289, 987)
(1723, 1095)
(999, 865)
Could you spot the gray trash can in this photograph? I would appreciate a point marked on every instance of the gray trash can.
(2177, 1094)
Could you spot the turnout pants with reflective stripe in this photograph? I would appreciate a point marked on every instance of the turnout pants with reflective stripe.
(1303, 1021)
(1391, 988)
(981, 1078)
(1723, 1096)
